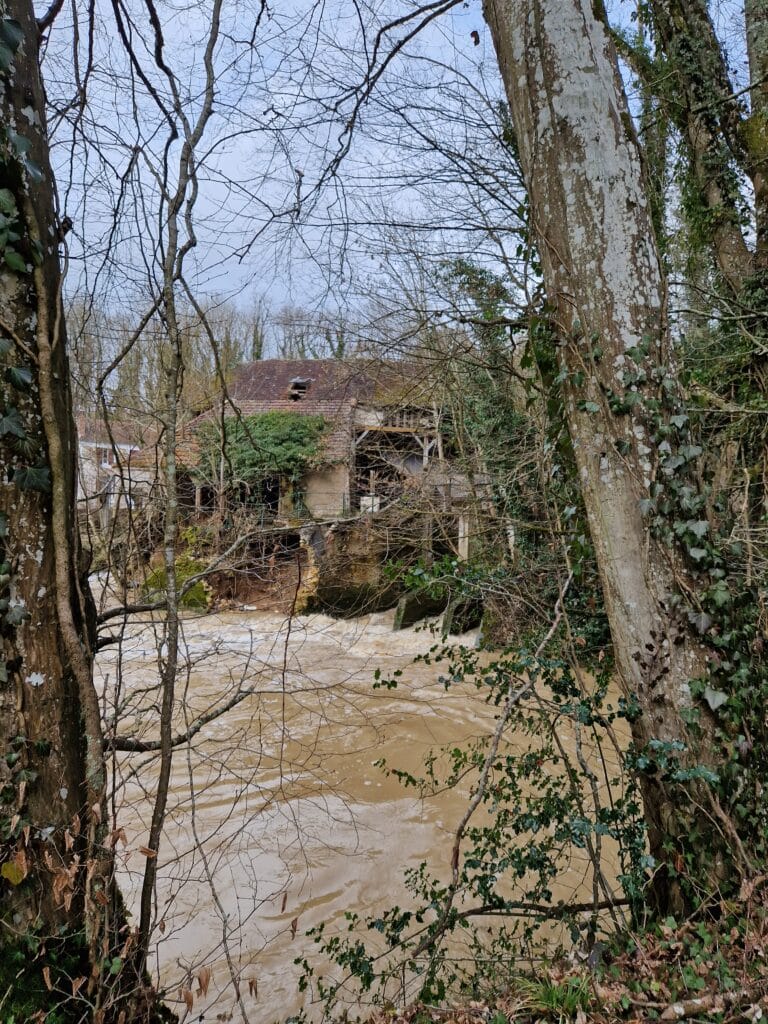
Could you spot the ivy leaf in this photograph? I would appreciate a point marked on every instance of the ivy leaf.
(697, 527)
(672, 464)
(15, 261)
(12, 872)
(720, 594)
(20, 377)
(6, 344)
(589, 407)
(33, 478)
(28, 448)
(697, 553)
(16, 614)
(7, 202)
(20, 143)
(6, 57)
(691, 451)
(11, 33)
(11, 423)
(700, 621)
(715, 698)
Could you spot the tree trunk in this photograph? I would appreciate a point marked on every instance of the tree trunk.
(702, 106)
(606, 290)
(57, 884)
(50, 713)
(756, 16)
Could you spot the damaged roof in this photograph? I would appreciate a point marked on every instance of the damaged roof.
(331, 388)
(270, 382)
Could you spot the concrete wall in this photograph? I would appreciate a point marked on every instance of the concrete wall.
(326, 492)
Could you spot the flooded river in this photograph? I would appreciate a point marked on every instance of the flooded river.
(279, 816)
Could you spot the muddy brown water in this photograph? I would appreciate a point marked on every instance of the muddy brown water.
(279, 817)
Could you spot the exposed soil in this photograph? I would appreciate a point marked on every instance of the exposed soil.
(266, 585)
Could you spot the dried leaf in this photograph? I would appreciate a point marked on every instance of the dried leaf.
(76, 825)
(294, 926)
(147, 852)
(253, 988)
(69, 840)
(77, 984)
(285, 900)
(96, 812)
(47, 978)
(118, 834)
(188, 998)
(161, 926)
(61, 884)
(20, 860)
(203, 980)
(687, 1008)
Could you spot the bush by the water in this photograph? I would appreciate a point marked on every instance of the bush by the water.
(197, 597)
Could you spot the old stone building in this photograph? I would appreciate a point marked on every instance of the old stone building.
(382, 441)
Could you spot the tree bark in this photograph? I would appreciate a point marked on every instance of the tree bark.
(48, 698)
(702, 104)
(756, 17)
(605, 286)
(57, 878)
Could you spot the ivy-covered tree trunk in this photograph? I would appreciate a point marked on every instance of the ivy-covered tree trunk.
(50, 718)
(62, 918)
(756, 16)
(607, 296)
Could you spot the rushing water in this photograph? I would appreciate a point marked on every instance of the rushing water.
(279, 817)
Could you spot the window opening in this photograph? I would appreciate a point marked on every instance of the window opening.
(298, 389)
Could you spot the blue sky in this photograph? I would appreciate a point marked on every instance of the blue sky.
(424, 179)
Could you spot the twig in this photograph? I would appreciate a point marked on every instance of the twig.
(513, 698)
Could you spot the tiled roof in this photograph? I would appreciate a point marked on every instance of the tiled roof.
(321, 387)
(93, 429)
(366, 381)
(329, 381)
